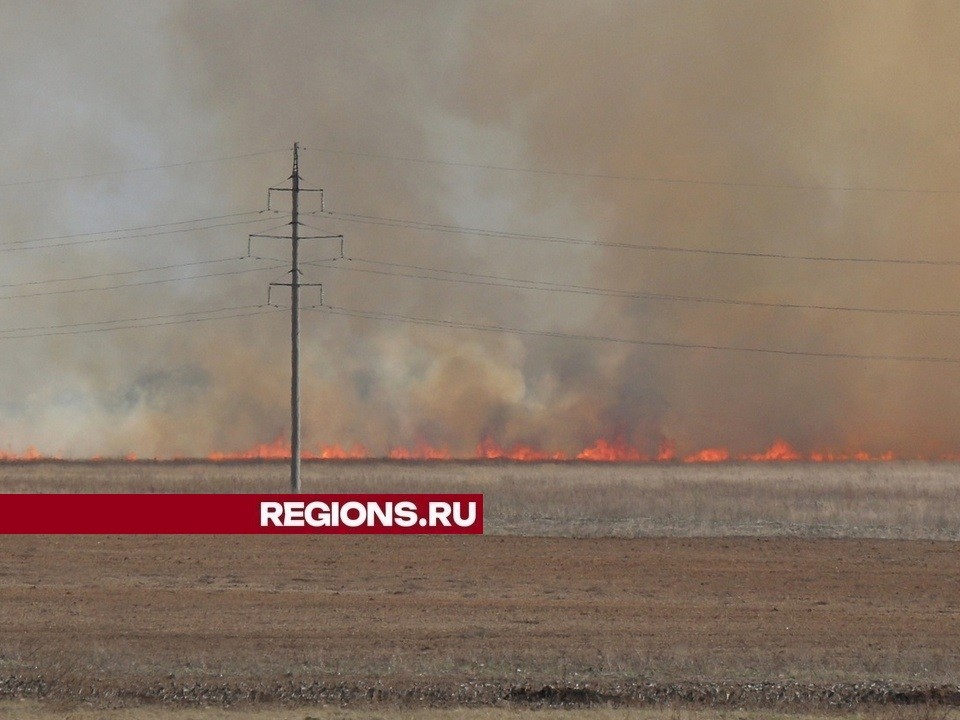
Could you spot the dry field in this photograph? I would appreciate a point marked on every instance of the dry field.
(800, 588)
(38, 711)
(897, 500)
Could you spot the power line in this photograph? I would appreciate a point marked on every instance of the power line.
(135, 236)
(485, 232)
(134, 229)
(147, 168)
(121, 272)
(71, 291)
(525, 284)
(394, 317)
(134, 323)
(34, 328)
(651, 179)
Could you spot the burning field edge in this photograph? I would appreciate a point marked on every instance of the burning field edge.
(602, 450)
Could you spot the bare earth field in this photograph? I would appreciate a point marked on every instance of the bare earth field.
(792, 613)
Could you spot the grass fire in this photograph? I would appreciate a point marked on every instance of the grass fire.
(452, 360)
(602, 451)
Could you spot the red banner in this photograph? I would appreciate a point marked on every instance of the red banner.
(198, 514)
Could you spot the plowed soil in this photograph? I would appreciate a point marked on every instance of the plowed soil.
(149, 617)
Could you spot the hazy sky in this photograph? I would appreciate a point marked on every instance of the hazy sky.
(813, 129)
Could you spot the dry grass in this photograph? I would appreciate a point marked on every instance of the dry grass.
(437, 611)
(907, 500)
(47, 711)
(167, 611)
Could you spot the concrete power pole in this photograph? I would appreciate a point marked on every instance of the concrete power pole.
(295, 323)
(295, 284)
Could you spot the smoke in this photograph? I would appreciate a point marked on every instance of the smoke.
(780, 101)
(770, 93)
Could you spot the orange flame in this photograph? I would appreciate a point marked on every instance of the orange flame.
(420, 452)
(489, 449)
(31, 454)
(616, 451)
(667, 450)
(603, 450)
(780, 451)
(826, 456)
(279, 449)
(708, 455)
(336, 452)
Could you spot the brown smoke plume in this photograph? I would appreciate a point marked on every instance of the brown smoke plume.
(781, 100)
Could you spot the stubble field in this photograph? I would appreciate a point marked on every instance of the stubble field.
(792, 587)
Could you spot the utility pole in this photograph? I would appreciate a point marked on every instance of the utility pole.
(295, 284)
(295, 323)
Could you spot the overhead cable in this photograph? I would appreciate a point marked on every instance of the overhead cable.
(435, 322)
(145, 168)
(486, 232)
(472, 278)
(650, 179)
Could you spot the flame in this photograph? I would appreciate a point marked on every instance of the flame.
(616, 451)
(667, 450)
(420, 452)
(826, 456)
(489, 449)
(603, 450)
(336, 452)
(780, 451)
(708, 455)
(31, 454)
(279, 449)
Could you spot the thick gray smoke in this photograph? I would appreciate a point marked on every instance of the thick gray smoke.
(762, 107)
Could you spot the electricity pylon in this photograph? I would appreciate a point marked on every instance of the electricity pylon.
(295, 284)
